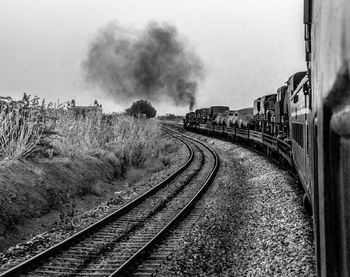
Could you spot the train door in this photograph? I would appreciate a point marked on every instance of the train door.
(334, 177)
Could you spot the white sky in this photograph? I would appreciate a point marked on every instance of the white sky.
(249, 47)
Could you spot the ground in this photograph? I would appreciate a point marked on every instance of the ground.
(38, 195)
(254, 224)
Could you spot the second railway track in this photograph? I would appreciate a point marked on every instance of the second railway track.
(136, 238)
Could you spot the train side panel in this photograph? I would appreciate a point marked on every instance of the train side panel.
(299, 115)
(330, 121)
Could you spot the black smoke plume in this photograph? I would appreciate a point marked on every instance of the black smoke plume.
(154, 64)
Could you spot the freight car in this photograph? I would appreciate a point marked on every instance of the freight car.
(213, 113)
(231, 118)
(306, 124)
(281, 110)
(245, 119)
(264, 113)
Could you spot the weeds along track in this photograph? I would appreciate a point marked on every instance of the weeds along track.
(116, 244)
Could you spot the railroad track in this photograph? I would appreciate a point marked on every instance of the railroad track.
(279, 163)
(135, 239)
(291, 171)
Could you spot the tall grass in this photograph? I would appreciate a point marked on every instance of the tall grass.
(123, 139)
(20, 133)
(79, 134)
(137, 139)
(130, 140)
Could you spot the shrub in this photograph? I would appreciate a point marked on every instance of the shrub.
(165, 160)
(134, 175)
(125, 141)
(21, 131)
(80, 134)
(131, 140)
(140, 108)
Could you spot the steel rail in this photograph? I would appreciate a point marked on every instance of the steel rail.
(124, 268)
(289, 168)
(32, 262)
(246, 146)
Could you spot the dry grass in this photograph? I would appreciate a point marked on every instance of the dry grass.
(19, 135)
(78, 135)
(124, 140)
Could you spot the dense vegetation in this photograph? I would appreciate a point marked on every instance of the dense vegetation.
(22, 128)
(142, 108)
(29, 129)
(171, 117)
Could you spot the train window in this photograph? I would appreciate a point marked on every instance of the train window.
(306, 88)
(296, 98)
(308, 46)
(298, 134)
(307, 138)
(307, 32)
(307, 11)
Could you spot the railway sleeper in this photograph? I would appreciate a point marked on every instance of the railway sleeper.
(71, 269)
(142, 274)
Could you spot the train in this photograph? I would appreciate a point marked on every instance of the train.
(306, 124)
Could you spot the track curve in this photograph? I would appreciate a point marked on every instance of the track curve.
(124, 227)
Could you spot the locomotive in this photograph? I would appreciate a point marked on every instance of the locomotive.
(201, 115)
(306, 124)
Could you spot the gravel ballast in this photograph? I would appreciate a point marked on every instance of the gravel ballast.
(254, 225)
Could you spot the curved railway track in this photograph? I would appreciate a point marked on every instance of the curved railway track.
(118, 244)
(259, 151)
(246, 146)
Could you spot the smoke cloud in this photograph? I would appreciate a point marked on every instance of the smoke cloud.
(155, 64)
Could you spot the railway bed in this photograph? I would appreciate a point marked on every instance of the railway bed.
(110, 246)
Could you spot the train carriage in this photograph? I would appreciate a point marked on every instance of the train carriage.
(300, 138)
(190, 119)
(257, 113)
(245, 119)
(197, 116)
(213, 113)
(281, 118)
(264, 113)
(327, 45)
(231, 118)
(203, 114)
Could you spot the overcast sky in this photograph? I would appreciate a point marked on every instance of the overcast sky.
(249, 47)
